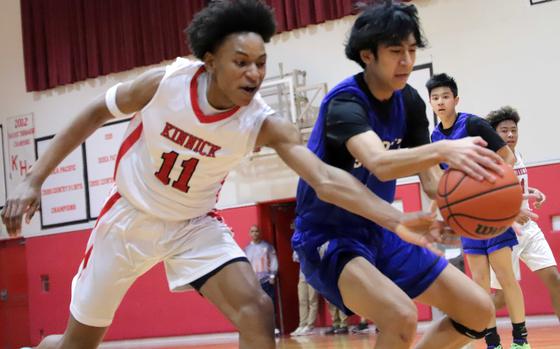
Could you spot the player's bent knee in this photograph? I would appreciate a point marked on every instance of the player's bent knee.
(468, 332)
(499, 299)
(401, 322)
(256, 316)
(476, 315)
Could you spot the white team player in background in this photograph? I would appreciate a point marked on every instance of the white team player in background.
(533, 249)
(193, 122)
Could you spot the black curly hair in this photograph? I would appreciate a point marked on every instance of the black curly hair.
(387, 23)
(221, 18)
(503, 114)
(442, 80)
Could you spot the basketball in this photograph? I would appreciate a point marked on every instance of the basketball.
(479, 210)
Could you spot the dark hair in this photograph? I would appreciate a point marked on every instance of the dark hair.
(502, 114)
(221, 18)
(383, 24)
(442, 80)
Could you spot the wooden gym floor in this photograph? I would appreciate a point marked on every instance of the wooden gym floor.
(539, 337)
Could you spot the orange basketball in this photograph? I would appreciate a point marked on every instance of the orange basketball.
(479, 210)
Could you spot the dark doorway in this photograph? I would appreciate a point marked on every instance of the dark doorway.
(277, 220)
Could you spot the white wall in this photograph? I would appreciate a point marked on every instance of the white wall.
(500, 52)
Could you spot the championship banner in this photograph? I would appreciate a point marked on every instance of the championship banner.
(20, 144)
(63, 195)
(101, 154)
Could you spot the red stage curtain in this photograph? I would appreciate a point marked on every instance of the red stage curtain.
(65, 41)
(292, 14)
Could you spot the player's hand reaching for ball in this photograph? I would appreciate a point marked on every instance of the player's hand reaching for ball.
(423, 229)
(24, 201)
(470, 156)
(525, 214)
(540, 198)
(522, 218)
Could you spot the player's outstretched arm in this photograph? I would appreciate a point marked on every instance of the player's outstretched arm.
(338, 187)
(130, 97)
(467, 154)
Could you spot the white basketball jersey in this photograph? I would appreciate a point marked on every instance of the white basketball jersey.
(521, 172)
(174, 157)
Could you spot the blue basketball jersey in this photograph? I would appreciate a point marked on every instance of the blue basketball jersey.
(311, 211)
(458, 131)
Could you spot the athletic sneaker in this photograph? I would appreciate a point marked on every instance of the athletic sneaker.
(493, 347)
(520, 346)
(331, 330)
(362, 327)
(297, 331)
(341, 330)
(306, 331)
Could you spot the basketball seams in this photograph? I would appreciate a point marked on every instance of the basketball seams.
(445, 198)
(482, 219)
(449, 191)
(477, 195)
(465, 231)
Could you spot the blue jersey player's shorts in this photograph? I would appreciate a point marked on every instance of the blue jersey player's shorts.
(486, 247)
(323, 255)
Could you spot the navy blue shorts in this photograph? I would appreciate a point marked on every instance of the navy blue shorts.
(486, 247)
(323, 255)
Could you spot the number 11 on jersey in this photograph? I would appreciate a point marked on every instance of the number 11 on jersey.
(182, 183)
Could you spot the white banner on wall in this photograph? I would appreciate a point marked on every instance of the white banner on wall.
(20, 143)
(2, 171)
(101, 152)
(63, 195)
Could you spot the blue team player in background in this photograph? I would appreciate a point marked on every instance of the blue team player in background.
(360, 266)
(481, 254)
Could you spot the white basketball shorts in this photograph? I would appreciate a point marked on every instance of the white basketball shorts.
(126, 243)
(533, 250)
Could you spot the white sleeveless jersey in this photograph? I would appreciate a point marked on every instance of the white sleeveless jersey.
(522, 176)
(174, 158)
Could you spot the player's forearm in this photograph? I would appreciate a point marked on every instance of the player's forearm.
(393, 164)
(343, 190)
(430, 179)
(507, 155)
(67, 140)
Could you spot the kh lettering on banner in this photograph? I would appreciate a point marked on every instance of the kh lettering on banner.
(21, 148)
